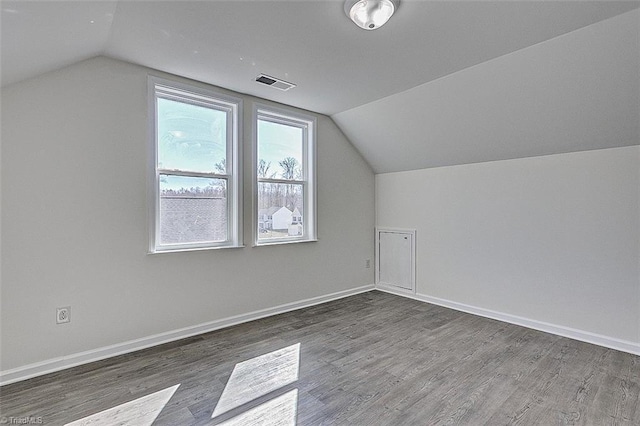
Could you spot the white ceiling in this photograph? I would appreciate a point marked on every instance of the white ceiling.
(579, 91)
(340, 70)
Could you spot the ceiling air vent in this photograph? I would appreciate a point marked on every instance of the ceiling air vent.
(274, 82)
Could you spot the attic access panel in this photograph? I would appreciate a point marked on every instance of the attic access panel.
(395, 259)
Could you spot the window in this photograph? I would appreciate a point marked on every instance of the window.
(284, 170)
(196, 187)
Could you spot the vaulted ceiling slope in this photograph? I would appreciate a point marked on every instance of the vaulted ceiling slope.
(444, 82)
(577, 92)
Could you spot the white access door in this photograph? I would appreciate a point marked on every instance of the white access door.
(395, 260)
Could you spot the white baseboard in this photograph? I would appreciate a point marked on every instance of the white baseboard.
(583, 336)
(73, 360)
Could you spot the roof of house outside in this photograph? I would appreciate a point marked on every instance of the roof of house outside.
(192, 219)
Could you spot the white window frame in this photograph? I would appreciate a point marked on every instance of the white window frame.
(169, 89)
(308, 124)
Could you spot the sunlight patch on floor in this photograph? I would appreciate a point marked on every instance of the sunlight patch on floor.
(280, 411)
(259, 376)
(139, 412)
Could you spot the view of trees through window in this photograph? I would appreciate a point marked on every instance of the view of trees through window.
(192, 153)
(197, 172)
(281, 179)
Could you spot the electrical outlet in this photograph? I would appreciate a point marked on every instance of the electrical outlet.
(63, 315)
(367, 263)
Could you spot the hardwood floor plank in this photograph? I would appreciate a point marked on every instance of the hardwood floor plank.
(618, 396)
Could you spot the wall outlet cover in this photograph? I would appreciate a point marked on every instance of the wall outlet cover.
(63, 315)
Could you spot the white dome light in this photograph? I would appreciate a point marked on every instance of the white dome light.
(370, 14)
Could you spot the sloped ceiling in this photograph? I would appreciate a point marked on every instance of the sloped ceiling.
(579, 91)
(442, 83)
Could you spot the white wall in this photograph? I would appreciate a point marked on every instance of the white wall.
(74, 219)
(553, 239)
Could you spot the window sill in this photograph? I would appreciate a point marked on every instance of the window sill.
(278, 243)
(178, 250)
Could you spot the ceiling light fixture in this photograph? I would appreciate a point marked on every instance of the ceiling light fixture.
(370, 14)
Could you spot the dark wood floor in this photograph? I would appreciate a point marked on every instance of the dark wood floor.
(370, 359)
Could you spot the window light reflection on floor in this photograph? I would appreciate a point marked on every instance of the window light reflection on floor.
(258, 377)
(249, 381)
(280, 411)
(139, 412)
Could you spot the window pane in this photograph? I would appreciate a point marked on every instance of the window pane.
(279, 151)
(191, 137)
(192, 210)
(280, 209)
